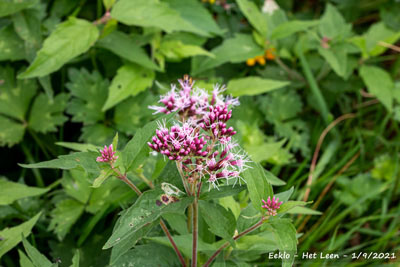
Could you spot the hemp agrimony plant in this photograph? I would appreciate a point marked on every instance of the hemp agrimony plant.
(199, 199)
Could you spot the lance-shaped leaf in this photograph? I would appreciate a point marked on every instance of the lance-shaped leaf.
(37, 258)
(10, 237)
(254, 16)
(291, 27)
(10, 191)
(70, 39)
(221, 222)
(146, 210)
(285, 207)
(253, 86)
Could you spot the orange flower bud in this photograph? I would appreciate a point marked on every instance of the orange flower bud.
(260, 60)
(250, 62)
(270, 53)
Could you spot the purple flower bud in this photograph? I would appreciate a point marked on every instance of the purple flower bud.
(271, 205)
(107, 155)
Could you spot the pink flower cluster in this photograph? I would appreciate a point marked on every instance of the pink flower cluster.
(107, 155)
(271, 205)
(202, 141)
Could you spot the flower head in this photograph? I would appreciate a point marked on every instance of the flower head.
(271, 205)
(107, 155)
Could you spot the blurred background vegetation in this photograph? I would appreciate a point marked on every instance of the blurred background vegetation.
(319, 86)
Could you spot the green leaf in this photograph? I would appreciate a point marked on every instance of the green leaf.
(38, 259)
(85, 160)
(235, 50)
(73, 37)
(257, 184)
(98, 134)
(177, 50)
(12, 236)
(153, 13)
(147, 209)
(78, 146)
(77, 185)
(337, 59)
(90, 94)
(333, 25)
(129, 81)
(46, 114)
(126, 47)
(248, 217)
(272, 179)
(304, 210)
(75, 259)
(377, 33)
(24, 261)
(104, 174)
(64, 216)
(379, 83)
(10, 191)
(291, 27)
(137, 149)
(285, 207)
(223, 191)
(285, 238)
(253, 86)
(108, 4)
(8, 7)
(253, 15)
(220, 221)
(11, 46)
(11, 132)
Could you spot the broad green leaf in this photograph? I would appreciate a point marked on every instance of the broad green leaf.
(64, 216)
(104, 174)
(12, 236)
(11, 46)
(129, 81)
(220, 221)
(285, 238)
(376, 34)
(98, 134)
(257, 184)
(177, 50)
(177, 222)
(24, 261)
(235, 50)
(291, 27)
(75, 259)
(147, 209)
(248, 217)
(389, 15)
(223, 191)
(379, 83)
(272, 179)
(8, 7)
(77, 185)
(196, 14)
(125, 245)
(337, 59)
(153, 13)
(11, 132)
(85, 160)
(46, 115)
(126, 47)
(285, 207)
(15, 97)
(89, 91)
(253, 15)
(10, 191)
(137, 149)
(73, 37)
(253, 86)
(333, 25)
(37, 258)
(148, 255)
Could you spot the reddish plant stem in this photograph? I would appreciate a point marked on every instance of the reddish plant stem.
(125, 179)
(248, 230)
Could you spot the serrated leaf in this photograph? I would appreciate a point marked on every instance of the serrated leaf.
(153, 13)
(333, 25)
(12, 236)
(90, 94)
(337, 59)
(147, 209)
(129, 81)
(257, 184)
(124, 46)
(253, 86)
(234, 50)
(291, 27)
(11, 46)
(10, 191)
(379, 83)
(285, 207)
(11, 132)
(64, 216)
(176, 50)
(37, 258)
(46, 115)
(73, 37)
(104, 174)
(221, 222)
(85, 160)
(254, 16)
(8, 7)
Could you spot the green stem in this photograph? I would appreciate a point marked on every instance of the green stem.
(195, 232)
(36, 172)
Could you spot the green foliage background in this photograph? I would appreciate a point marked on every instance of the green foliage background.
(71, 77)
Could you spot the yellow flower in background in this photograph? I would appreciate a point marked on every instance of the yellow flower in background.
(250, 62)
